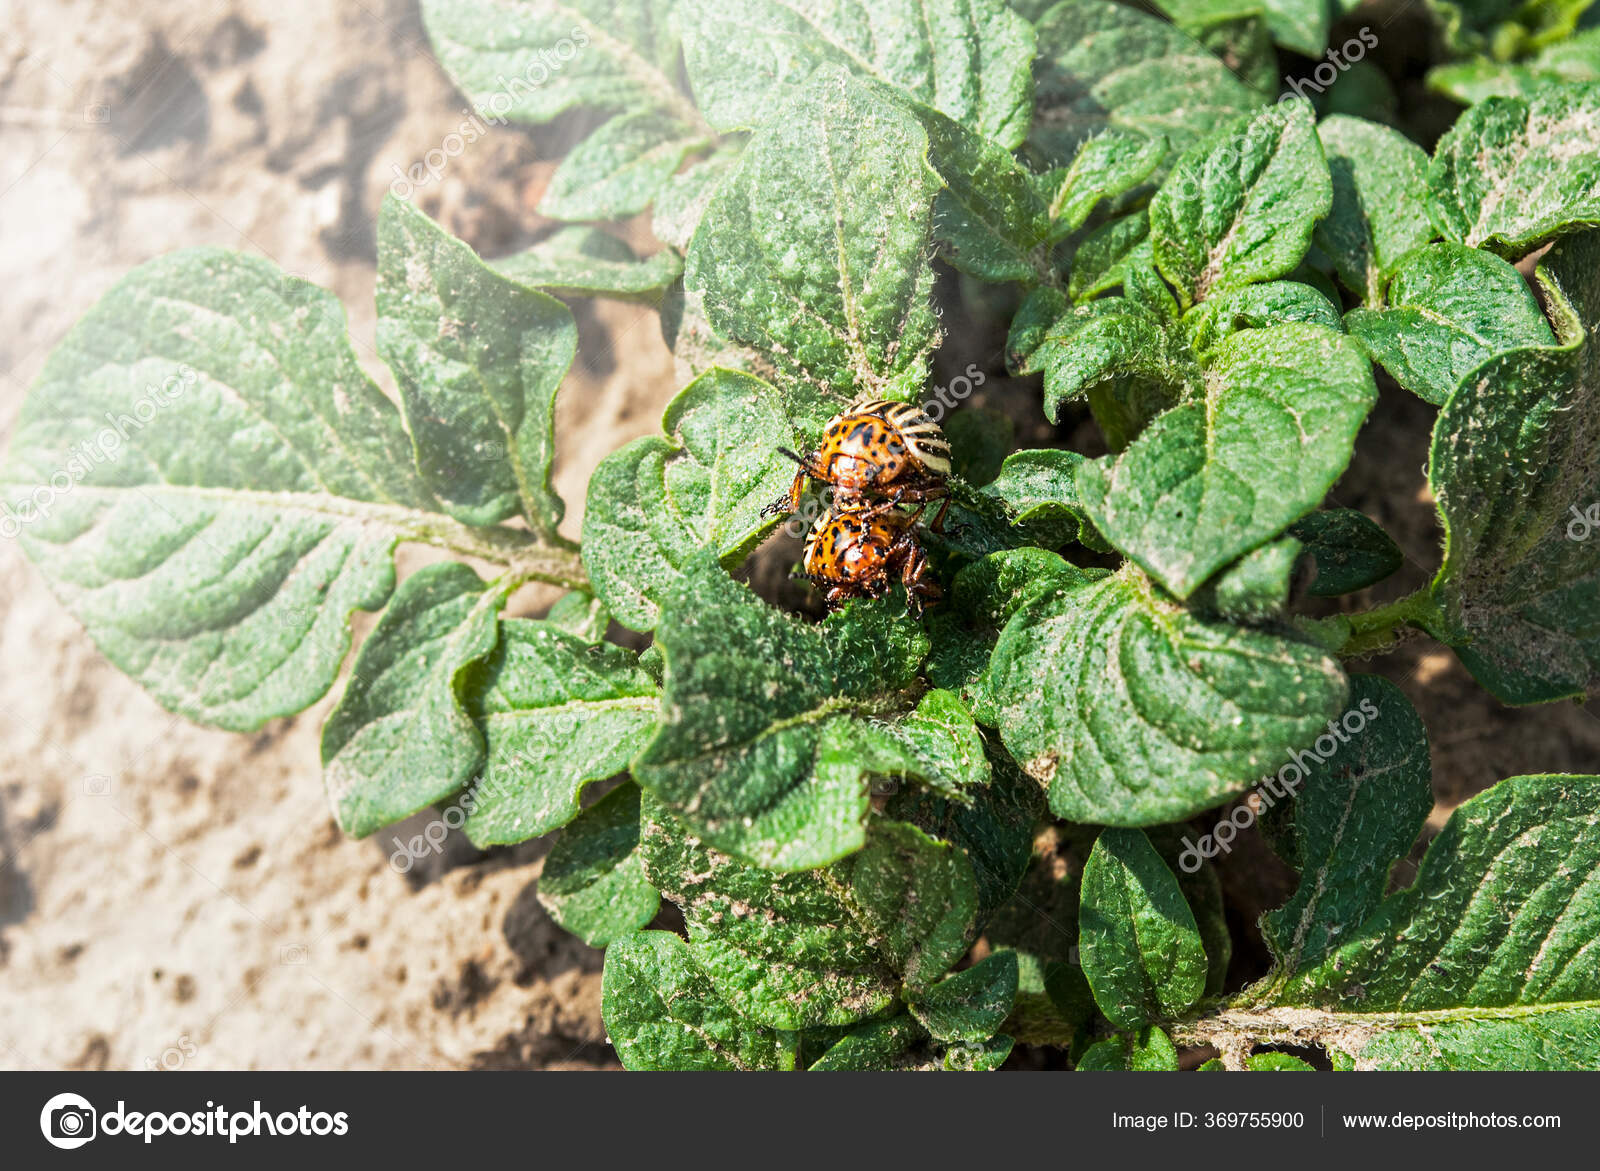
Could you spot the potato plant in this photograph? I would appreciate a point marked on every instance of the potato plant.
(902, 843)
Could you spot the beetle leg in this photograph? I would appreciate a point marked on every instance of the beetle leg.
(884, 506)
(836, 596)
(920, 588)
(789, 502)
(926, 491)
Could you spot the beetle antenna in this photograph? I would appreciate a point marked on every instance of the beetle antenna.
(799, 459)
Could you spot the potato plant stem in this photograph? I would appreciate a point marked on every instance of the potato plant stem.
(1378, 629)
(524, 556)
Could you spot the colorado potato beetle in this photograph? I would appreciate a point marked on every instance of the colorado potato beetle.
(856, 552)
(874, 448)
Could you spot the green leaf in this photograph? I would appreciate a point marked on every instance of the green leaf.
(530, 60)
(1505, 28)
(1102, 261)
(1362, 91)
(1135, 712)
(1149, 1051)
(826, 271)
(875, 1046)
(980, 1057)
(1105, 167)
(399, 739)
(1101, 64)
(993, 826)
(1450, 309)
(657, 502)
(1515, 470)
(940, 744)
(1352, 551)
(968, 59)
(683, 200)
(1313, 271)
(580, 613)
(819, 947)
(557, 713)
(1513, 173)
(1142, 285)
(1573, 59)
(1380, 202)
(983, 596)
(1040, 487)
(1256, 307)
(1111, 340)
(696, 346)
(1217, 476)
(770, 727)
(1040, 926)
(1484, 961)
(1030, 325)
(593, 881)
(237, 485)
(1300, 25)
(589, 262)
(619, 169)
(661, 1012)
(1240, 207)
(1277, 1063)
(1202, 890)
(1238, 36)
(1141, 949)
(479, 359)
(970, 1005)
(989, 219)
(1041, 919)
(900, 1043)
(1358, 807)
(1254, 588)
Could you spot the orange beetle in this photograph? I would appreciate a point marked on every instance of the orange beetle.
(856, 552)
(875, 448)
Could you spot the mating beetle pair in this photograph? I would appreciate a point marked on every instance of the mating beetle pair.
(875, 456)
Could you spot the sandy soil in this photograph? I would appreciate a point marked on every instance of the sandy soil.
(177, 896)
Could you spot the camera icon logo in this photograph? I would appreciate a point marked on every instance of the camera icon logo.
(68, 1121)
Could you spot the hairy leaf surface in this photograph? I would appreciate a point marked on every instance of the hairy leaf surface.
(556, 713)
(1136, 712)
(211, 485)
